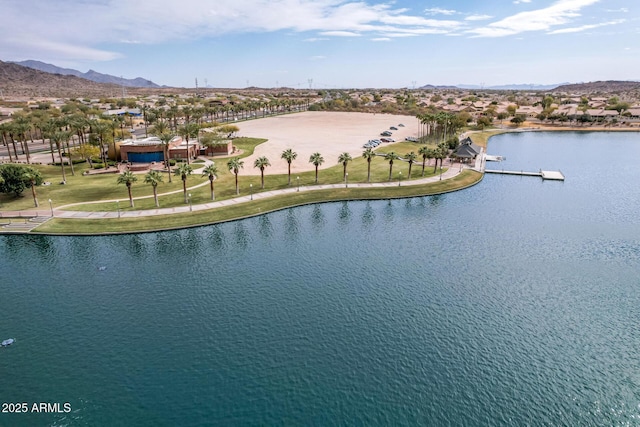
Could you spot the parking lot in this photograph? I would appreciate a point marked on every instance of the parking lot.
(329, 133)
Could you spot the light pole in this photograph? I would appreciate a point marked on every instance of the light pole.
(399, 178)
(251, 190)
(51, 206)
(346, 180)
(190, 205)
(118, 207)
(440, 170)
(298, 181)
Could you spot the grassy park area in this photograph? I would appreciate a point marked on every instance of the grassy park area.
(98, 192)
(92, 226)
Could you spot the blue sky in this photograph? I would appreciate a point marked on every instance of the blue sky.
(333, 43)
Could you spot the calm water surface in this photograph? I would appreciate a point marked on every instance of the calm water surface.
(515, 302)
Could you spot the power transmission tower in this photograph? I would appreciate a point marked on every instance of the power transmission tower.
(310, 83)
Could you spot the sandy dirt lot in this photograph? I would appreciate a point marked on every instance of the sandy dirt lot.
(328, 133)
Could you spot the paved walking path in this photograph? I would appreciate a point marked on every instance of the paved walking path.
(33, 218)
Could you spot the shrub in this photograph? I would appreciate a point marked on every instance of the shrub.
(14, 179)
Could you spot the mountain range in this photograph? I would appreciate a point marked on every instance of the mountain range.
(21, 80)
(91, 75)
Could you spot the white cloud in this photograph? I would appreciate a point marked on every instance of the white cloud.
(586, 27)
(559, 13)
(340, 34)
(439, 11)
(43, 49)
(381, 39)
(478, 17)
(82, 25)
(317, 58)
(521, 1)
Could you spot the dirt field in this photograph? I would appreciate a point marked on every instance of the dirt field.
(328, 133)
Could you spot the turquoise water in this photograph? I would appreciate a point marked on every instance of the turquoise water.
(515, 302)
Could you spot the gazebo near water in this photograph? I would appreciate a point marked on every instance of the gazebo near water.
(467, 150)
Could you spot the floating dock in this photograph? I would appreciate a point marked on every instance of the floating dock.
(550, 175)
(491, 158)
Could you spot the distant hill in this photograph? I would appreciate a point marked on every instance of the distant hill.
(17, 80)
(512, 87)
(609, 86)
(94, 76)
(497, 87)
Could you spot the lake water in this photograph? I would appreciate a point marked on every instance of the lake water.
(515, 302)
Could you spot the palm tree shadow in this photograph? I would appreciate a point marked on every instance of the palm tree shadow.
(291, 225)
(344, 214)
(265, 227)
(368, 216)
(317, 218)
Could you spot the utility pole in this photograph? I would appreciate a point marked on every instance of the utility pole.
(310, 83)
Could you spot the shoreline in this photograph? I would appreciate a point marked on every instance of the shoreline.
(356, 198)
(280, 199)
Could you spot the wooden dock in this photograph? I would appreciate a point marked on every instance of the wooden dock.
(550, 175)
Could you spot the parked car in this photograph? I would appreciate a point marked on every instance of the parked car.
(386, 133)
(385, 140)
(401, 125)
(393, 128)
(411, 139)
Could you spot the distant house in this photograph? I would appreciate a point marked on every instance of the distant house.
(634, 113)
(602, 113)
(135, 112)
(224, 148)
(467, 150)
(149, 150)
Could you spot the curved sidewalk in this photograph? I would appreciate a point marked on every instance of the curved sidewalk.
(451, 172)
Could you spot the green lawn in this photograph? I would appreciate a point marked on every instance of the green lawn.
(83, 189)
(91, 188)
(67, 226)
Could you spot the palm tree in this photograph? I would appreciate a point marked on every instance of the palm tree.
(427, 153)
(5, 130)
(159, 128)
(166, 138)
(188, 130)
(211, 172)
(154, 178)
(183, 171)
(58, 138)
(440, 153)
(33, 176)
(369, 155)
(101, 129)
(289, 155)
(411, 157)
(21, 126)
(128, 178)
(261, 163)
(234, 166)
(344, 158)
(391, 156)
(317, 160)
